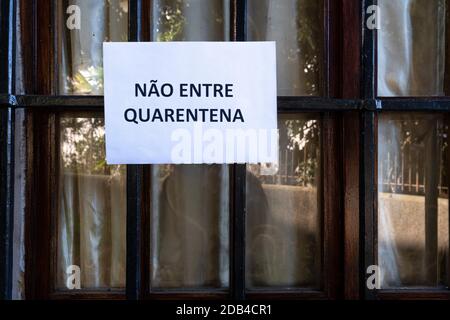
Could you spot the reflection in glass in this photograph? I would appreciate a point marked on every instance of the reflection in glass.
(189, 226)
(283, 214)
(413, 211)
(190, 203)
(191, 20)
(91, 209)
(82, 29)
(297, 28)
(411, 47)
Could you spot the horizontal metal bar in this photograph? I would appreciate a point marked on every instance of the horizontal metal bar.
(58, 101)
(34, 101)
(285, 104)
(5, 100)
(407, 104)
(291, 104)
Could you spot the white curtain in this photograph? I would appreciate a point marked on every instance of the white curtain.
(92, 229)
(411, 47)
(190, 226)
(91, 219)
(297, 28)
(81, 65)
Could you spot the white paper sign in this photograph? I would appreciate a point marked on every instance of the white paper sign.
(190, 102)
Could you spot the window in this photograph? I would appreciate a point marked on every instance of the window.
(363, 170)
(409, 221)
(412, 200)
(91, 206)
(176, 231)
(284, 214)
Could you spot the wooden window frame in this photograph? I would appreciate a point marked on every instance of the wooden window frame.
(340, 108)
(373, 105)
(6, 149)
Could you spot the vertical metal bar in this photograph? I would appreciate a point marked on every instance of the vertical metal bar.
(286, 166)
(402, 174)
(446, 156)
(134, 187)
(305, 165)
(395, 182)
(5, 75)
(292, 169)
(237, 219)
(381, 176)
(6, 150)
(424, 174)
(389, 181)
(409, 170)
(440, 138)
(417, 170)
(135, 21)
(6, 201)
(134, 199)
(368, 198)
(368, 193)
(431, 205)
(369, 54)
(241, 20)
(237, 225)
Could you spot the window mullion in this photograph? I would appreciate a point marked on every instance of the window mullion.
(367, 193)
(6, 201)
(134, 188)
(6, 151)
(237, 214)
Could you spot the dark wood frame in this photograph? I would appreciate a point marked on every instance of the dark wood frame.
(372, 106)
(7, 19)
(343, 188)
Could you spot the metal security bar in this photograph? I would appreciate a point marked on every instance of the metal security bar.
(6, 149)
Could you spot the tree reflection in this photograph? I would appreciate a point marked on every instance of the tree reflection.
(83, 146)
(299, 154)
(81, 68)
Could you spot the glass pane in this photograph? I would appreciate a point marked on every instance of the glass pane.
(92, 208)
(411, 47)
(191, 20)
(190, 203)
(83, 26)
(297, 27)
(283, 210)
(189, 226)
(413, 200)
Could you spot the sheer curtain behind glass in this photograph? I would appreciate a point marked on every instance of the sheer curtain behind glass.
(413, 212)
(411, 47)
(83, 27)
(91, 209)
(283, 244)
(284, 221)
(297, 28)
(190, 207)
